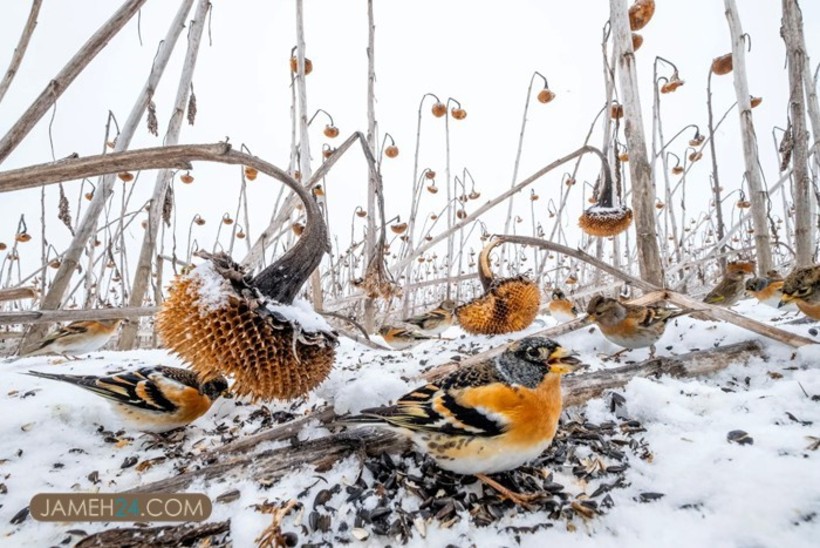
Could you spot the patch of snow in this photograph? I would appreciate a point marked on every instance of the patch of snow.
(212, 289)
(301, 312)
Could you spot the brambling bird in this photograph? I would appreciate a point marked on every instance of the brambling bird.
(802, 287)
(436, 321)
(765, 289)
(628, 325)
(76, 338)
(401, 338)
(488, 417)
(152, 399)
(561, 308)
(731, 286)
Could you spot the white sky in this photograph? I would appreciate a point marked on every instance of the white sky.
(480, 53)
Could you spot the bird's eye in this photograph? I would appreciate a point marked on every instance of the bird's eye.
(803, 291)
(533, 353)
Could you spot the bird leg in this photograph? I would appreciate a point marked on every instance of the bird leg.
(616, 354)
(521, 499)
(651, 351)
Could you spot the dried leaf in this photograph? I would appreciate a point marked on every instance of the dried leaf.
(192, 107)
(153, 124)
(785, 148)
(168, 206)
(64, 213)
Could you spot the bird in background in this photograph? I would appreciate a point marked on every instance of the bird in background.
(802, 287)
(436, 321)
(561, 308)
(767, 289)
(628, 325)
(401, 338)
(488, 417)
(151, 399)
(75, 338)
(732, 286)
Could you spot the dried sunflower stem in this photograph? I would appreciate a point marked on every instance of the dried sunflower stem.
(757, 193)
(128, 334)
(373, 184)
(20, 50)
(643, 191)
(804, 203)
(53, 299)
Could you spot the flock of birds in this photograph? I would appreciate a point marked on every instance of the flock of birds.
(483, 418)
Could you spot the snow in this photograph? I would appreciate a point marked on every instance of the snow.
(715, 492)
(211, 287)
(301, 312)
(602, 211)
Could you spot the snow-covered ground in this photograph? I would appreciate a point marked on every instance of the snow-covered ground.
(57, 438)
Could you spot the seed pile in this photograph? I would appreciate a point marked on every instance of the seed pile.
(398, 497)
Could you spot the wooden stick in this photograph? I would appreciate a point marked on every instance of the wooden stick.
(281, 432)
(271, 465)
(20, 50)
(49, 316)
(719, 313)
(579, 389)
(14, 293)
(187, 534)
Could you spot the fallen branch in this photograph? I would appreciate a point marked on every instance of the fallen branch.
(270, 465)
(15, 293)
(579, 389)
(187, 534)
(719, 313)
(49, 316)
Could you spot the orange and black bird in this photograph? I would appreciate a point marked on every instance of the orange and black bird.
(561, 308)
(802, 287)
(767, 289)
(629, 325)
(75, 338)
(401, 338)
(731, 287)
(436, 321)
(151, 399)
(488, 417)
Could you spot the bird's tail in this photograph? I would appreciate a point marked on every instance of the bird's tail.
(71, 379)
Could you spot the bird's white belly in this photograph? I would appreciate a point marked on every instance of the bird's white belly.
(637, 340)
(436, 331)
(561, 316)
(483, 455)
(90, 344)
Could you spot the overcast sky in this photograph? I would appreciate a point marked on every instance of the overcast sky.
(480, 53)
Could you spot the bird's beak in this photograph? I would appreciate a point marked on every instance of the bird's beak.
(562, 361)
(784, 300)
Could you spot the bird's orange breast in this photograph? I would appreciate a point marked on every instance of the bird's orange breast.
(769, 291)
(531, 415)
(810, 310)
